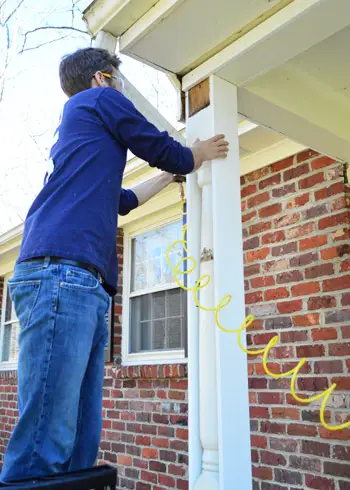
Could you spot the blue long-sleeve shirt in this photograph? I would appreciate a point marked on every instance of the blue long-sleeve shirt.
(75, 215)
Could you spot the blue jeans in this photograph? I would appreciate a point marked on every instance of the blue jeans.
(63, 334)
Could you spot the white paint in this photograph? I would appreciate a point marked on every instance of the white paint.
(232, 385)
(104, 40)
(291, 31)
(193, 245)
(296, 126)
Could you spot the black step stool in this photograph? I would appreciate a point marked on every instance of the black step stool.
(97, 478)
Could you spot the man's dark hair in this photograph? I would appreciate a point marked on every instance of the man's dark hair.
(77, 69)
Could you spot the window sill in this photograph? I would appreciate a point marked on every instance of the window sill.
(8, 370)
(155, 358)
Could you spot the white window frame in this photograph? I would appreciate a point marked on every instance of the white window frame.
(5, 365)
(149, 357)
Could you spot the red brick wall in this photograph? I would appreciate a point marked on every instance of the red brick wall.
(297, 262)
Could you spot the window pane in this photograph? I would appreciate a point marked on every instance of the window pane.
(158, 321)
(8, 311)
(149, 268)
(10, 345)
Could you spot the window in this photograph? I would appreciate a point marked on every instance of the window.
(9, 330)
(156, 305)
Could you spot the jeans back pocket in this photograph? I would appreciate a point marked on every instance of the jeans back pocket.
(79, 279)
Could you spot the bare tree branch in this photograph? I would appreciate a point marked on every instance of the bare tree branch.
(43, 44)
(6, 64)
(13, 12)
(53, 28)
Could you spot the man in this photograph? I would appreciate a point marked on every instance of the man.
(67, 268)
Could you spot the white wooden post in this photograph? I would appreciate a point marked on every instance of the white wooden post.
(104, 40)
(233, 409)
(223, 379)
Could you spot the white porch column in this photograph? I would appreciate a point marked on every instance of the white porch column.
(104, 40)
(223, 380)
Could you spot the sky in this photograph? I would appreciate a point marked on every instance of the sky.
(33, 100)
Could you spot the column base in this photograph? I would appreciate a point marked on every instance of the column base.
(207, 481)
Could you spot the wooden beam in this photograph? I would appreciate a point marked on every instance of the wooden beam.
(291, 31)
(198, 97)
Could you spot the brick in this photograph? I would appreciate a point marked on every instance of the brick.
(286, 220)
(286, 476)
(262, 282)
(285, 413)
(272, 459)
(337, 469)
(270, 181)
(251, 270)
(306, 320)
(258, 199)
(284, 249)
(278, 293)
(345, 299)
(341, 452)
(306, 464)
(336, 284)
(314, 242)
(276, 236)
(311, 181)
(276, 265)
(259, 413)
(321, 302)
(317, 448)
(262, 339)
(150, 453)
(316, 211)
(345, 332)
(319, 271)
(305, 289)
(271, 210)
(334, 220)
(272, 427)
(258, 441)
(290, 276)
(298, 201)
(251, 243)
(270, 398)
(339, 203)
(312, 384)
(329, 191)
(306, 155)
(290, 306)
(247, 191)
(259, 227)
(319, 483)
(339, 349)
(302, 430)
(303, 260)
(166, 480)
(345, 266)
(257, 384)
(296, 172)
(149, 477)
(262, 473)
(299, 231)
(258, 254)
(282, 164)
(182, 484)
(337, 316)
(340, 435)
(278, 323)
(284, 445)
(322, 162)
(169, 456)
(257, 174)
(249, 216)
(334, 173)
(283, 190)
(343, 384)
(310, 351)
(273, 366)
(293, 336)
(324, 334)
(251, 298)
(344, 485)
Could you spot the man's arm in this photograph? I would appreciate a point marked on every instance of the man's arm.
(143, 192)
(133, 131)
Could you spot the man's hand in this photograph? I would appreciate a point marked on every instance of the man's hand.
(211, 149)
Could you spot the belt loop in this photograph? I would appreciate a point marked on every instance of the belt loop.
(46, 262)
